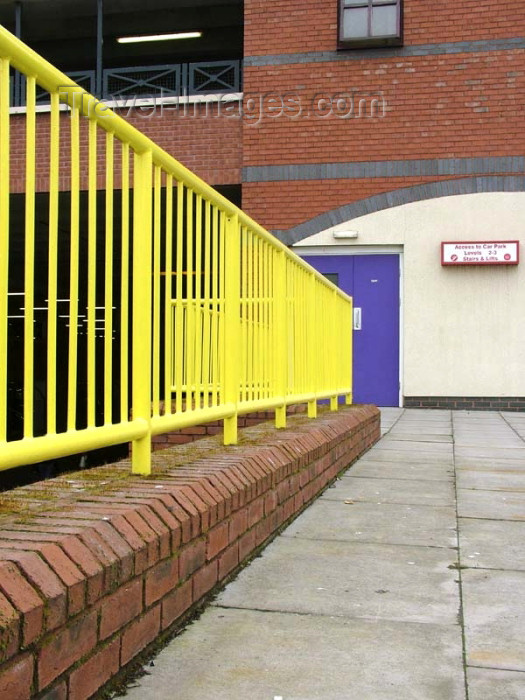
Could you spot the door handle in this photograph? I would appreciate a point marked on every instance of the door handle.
(357, 319)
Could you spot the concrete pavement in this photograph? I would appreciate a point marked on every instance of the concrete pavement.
(406, 579)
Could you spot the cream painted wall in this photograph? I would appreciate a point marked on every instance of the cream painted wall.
(463, 328)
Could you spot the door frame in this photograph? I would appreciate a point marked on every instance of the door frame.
(328, 250)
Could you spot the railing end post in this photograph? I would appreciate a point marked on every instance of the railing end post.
(349, 399)
(334, 403)
(312, 409)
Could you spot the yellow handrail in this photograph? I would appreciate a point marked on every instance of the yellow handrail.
(150, 302)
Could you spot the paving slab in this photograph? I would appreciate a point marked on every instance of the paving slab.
(491, 684)
(408, 457)
(492, 544)
(246, 654)
(510, 453)
(478, 418)
(427, 414)
(486, 463)
(427, 436)
(403, 491)
(350, 580)
(463, 414)
(496, 505)
(487, 441)
(494, 617)
(422, 425)
(387, 523)
(433, 449)
(397, 470)
(491, 480)
(502, 432)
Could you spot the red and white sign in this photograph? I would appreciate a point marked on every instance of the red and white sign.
(480, 253)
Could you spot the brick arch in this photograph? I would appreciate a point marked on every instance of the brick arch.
(395, 198)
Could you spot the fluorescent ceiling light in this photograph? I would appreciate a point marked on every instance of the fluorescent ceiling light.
(158, 37)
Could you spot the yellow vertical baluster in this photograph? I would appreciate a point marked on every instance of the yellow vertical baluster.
(244, 315)
(232, 334)
(304, 339)
(216, 307)
(206, 305)
(267, 347)
(4, 238)
(243, 380)
(156, 290)
(54, 165)
(260, 343)
(313, 349)
(142, 269)
(250, 318)
(179, 306)
(272, 306)
(257, 342)
(198, 302)
(124, 287)
(74, 268)
(190, 308)
(91, 269)
(281, 330)
(108, 285)
(29, 273)
(168, 325)
(333, 357)
(348, 326)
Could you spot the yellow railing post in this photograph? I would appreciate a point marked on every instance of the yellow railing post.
(141, 339)
(313, 329)
(4, 237)
(280, 302)
(349, 323)
(334, 400)
(232, 323)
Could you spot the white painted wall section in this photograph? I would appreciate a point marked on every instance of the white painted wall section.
(464, 327)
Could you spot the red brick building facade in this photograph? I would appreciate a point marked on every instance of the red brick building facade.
(452, 93)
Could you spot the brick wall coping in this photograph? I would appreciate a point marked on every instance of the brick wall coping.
(95, 566)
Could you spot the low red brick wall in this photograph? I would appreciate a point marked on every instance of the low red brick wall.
(96, 566)
(196, 432)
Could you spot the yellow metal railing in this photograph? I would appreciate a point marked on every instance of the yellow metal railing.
(134, 299)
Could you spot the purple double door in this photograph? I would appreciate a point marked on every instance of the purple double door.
(373, 282)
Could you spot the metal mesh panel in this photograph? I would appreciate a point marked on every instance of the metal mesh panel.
(218, 76)
(153, 81)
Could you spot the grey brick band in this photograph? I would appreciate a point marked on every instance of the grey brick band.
(405, 195)
(387, 168)
(401, 51)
